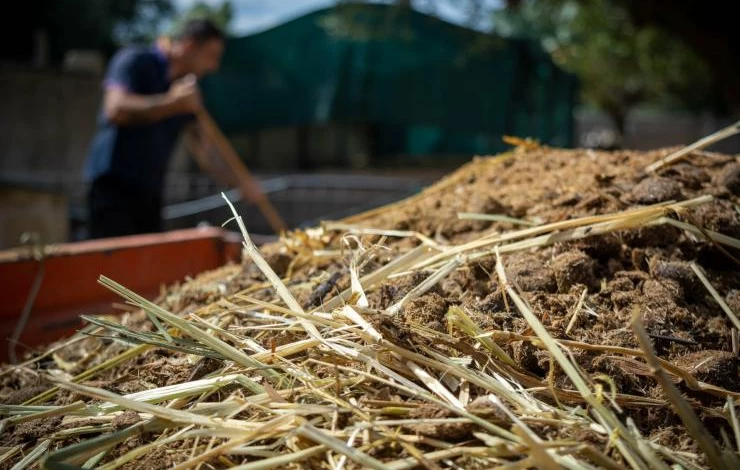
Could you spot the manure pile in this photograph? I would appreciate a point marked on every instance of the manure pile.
(543, 308)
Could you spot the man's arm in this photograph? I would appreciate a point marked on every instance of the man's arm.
(207, 157)
(125, 108)
(211, 160)
(126, 103)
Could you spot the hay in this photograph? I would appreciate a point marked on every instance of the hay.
(391, 370)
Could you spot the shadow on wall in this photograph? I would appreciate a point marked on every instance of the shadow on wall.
(48, 119)
(650, 129)
(34, 212)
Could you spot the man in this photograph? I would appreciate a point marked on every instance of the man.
(150, 98)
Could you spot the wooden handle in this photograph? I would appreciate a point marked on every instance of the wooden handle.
(272, 215)
(242, 173)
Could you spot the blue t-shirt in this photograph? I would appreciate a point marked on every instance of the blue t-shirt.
(138, 154)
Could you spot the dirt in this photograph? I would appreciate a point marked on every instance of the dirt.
(721, 368)
(654, 190)
(719, 216)
(530, 275)
(453, 431)
(428, 310)
(391, 292)
(17, 397)
(203, 367)
(645, 268)
(157, 458)
(32, 431)
(125, 419)
(573, 268)
(730, 179)
(733, 300)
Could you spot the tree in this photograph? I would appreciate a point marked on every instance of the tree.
(139, 20)
(709, 29)
(618, 63)
(473, 13)
(81, 24)
(221, 15)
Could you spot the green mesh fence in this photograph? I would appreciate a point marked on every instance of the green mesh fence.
(421, 85)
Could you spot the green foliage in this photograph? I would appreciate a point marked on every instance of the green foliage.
(221, 15)
(97, 24)
(138, 20)
(618, 64)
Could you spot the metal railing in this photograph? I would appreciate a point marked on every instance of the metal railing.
(303, 199)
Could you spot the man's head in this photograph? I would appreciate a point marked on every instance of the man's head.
(198, 47)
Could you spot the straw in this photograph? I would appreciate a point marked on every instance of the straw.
(721, 134)
(717, 458)
(715, 295)
(346, 382)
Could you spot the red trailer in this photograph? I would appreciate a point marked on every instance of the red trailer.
(62, 283)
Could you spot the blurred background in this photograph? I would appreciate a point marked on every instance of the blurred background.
(342, 106)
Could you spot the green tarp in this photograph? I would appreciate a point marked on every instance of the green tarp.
(421, 85)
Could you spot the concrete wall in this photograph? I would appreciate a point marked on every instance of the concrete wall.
(25, 210)
(315, 146)
(647, 129)
(46, 119)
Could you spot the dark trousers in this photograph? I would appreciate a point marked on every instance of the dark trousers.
(116, 209)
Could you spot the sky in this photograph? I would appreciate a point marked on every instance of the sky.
(253, 16)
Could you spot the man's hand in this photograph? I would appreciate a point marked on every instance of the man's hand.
(186, 95)
(124, 108)
(251, 190)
